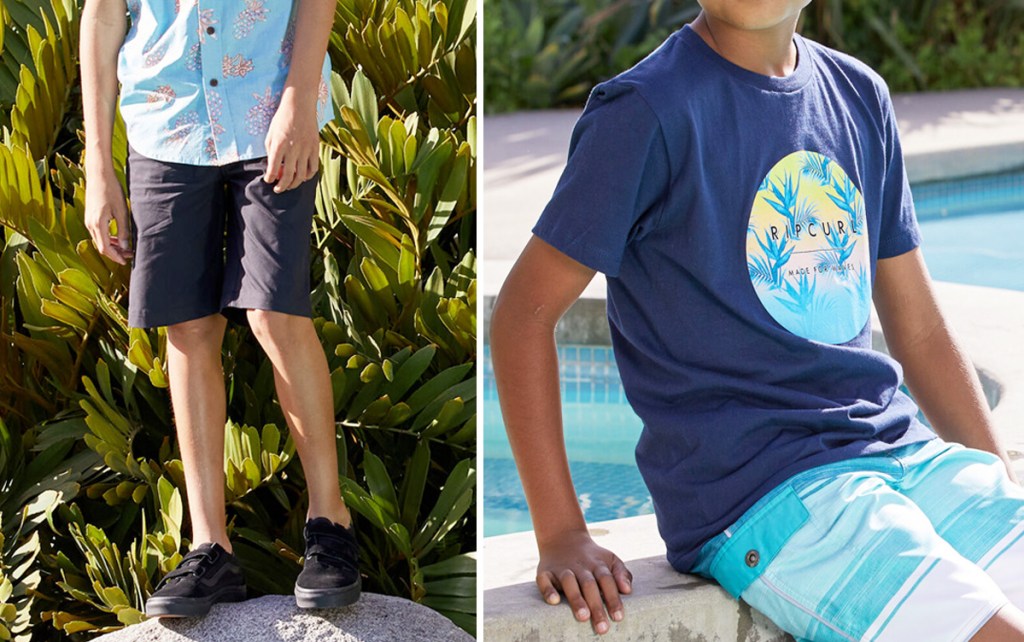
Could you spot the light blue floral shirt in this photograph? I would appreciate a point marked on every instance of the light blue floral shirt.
(201, 79)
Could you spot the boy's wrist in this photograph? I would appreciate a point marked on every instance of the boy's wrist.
(300, 95)
(556, 536)
(99, 166)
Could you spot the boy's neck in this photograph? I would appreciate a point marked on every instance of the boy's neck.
(769, 52)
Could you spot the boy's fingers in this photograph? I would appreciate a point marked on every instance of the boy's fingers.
(606, 582)
(546, 586)
(567, 579)
(273, 164)
(592, 595)
(100, 232)
(108, 250)
(312, 164)
(123, 239)
(623, 578)
(287, 180)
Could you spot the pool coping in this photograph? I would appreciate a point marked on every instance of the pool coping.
(945, 135)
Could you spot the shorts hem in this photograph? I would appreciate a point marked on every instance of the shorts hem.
(973, 625)
(169, 317)
(265, 304)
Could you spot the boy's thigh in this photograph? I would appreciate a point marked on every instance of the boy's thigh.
(268, 243)
(974, 506)
(851, 558)
(177, 223)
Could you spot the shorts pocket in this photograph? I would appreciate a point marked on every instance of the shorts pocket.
(757, 540)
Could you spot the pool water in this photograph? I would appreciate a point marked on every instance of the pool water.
(971, 233)
(971, 230)
(601, 431)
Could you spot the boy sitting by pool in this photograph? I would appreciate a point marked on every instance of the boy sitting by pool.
(744, 192)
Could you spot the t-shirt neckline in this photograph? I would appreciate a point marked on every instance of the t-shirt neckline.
(792, 82)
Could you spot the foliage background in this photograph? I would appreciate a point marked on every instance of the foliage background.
(91, 486)
(549, 53)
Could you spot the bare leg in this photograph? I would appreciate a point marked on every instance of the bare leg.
(196, 378)
(304, 390)
(1005, 626)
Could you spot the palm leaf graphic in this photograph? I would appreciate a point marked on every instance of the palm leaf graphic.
(775, 255)
(805, 214)
(785, 193)
(760, 270)
(818, 167)
(846, 198)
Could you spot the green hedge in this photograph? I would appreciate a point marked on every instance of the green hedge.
(91, 484)
(550, 53)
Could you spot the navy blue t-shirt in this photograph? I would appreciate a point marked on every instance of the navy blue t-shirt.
(738, 218)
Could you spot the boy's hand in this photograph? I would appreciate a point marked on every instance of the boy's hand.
(591, 577)
(293, 143)
(104, 200)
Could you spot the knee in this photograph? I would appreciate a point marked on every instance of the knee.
(197, 334)
(274, 328)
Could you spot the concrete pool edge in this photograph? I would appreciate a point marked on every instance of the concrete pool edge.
(667, 605)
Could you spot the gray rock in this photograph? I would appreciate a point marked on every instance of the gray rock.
(275, 618)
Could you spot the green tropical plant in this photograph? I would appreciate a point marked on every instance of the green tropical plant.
(927, 44)
(550, 54)
(91, 483)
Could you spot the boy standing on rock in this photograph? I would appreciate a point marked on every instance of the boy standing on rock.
(744, 192)
(223, 103)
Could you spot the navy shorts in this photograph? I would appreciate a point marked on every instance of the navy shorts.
(211, 239)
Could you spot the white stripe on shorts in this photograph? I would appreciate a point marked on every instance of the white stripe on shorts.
(949, 600)
(1007, 567)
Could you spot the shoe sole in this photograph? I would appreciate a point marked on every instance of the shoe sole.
(327, 598)
(192, 606)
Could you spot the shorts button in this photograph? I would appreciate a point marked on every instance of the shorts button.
(210, 30)
(753, 557)
(213, 82)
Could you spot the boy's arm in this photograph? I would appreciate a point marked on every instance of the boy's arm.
(936, 368)
(540, 288)
(103, 25)
(293, 139)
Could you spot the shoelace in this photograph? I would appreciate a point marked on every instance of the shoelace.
(191, 564)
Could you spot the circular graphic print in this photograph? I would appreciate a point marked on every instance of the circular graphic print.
(807, 249)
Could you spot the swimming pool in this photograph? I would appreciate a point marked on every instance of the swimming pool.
(601, 431)
(971, 231)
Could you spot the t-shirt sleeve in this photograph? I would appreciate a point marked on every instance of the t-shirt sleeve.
(615, 176)
(899, 230)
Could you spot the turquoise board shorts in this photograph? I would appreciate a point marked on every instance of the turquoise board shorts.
(925, 542)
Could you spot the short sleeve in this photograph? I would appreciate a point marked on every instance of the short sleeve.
(616, 174)
(899, 231)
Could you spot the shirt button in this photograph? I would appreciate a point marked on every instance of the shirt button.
(753, 557)
(213, 82)
(210, 30)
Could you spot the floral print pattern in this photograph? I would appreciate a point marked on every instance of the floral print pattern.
(247, 18)
(192, 59)
(287, 44)
(191, 95)
(257, 120)
(236, 66)
(163, 94)
(183, 126)
(206, 20)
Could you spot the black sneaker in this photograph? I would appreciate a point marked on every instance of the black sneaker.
(206, 575)
(330, 572)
